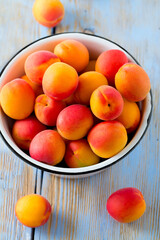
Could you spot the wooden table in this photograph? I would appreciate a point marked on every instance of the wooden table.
(79, 206)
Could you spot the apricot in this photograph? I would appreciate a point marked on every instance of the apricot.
(130, 116)
(36, 87)
(126, 205)
(48, 12)
(132, 82)
(79, 154)
(33, 210)
(23, 131)
(47, 147)
(90, 66)
(73, 53)
(37, 63)
(106, 103)
(74, 121)
(60, 81)
(47, 109)
(17, 99)
(109, 62)
(106, 139)
(88, 82)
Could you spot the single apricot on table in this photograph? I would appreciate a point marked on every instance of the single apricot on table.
(33, 210)
(126, 205)
(48, 12)
(17, 99)
(73, 53)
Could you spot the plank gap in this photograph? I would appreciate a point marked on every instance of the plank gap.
(42, 174)
(53, 31)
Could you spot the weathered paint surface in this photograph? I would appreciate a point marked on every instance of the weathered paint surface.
(79, 205)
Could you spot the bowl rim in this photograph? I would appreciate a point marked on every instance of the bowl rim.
(82, 172)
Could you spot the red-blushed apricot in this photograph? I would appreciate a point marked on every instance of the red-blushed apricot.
(47, 109)
(60, 81)
(37, 63)
(47, 147)
(106, 103)
(88, 82)
(48, 12)
(73, 53)
(23, 131)
(126, 205)
(74, 122)
(106, 139)
(36, 87)
(132, 82)
(33, 210)
(109, 62)
(90, 66)
(79, 154)
(130, 116)
(17, 99)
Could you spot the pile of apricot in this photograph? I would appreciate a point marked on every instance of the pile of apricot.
(68, 106)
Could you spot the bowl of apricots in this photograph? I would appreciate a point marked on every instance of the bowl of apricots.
(73, 104)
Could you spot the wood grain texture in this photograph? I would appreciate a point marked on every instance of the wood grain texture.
(79, 206)
(17, 29)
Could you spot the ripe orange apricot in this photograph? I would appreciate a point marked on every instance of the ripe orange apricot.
(33, 210)
(74, 122)
(17, 99)
(47, 109)
(60, 81)
(132, 82)
(48, 12)
(106, 139)
(106, 103)
(73, 53)
(126, 205)
(48, 147)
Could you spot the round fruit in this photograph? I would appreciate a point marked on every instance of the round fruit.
(126, 205)
(33, 210)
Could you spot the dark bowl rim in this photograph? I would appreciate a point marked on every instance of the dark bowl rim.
(91, 171)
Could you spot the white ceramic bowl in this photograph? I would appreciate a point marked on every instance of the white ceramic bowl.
(15, 68)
